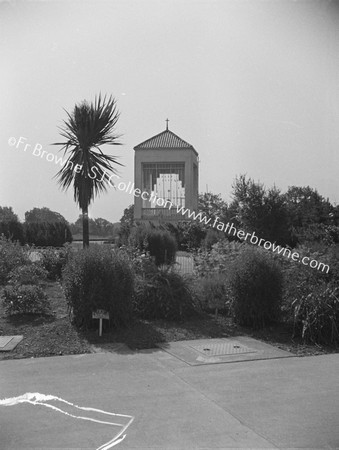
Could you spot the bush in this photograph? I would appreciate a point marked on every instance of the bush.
(316, 314)
(213, 293)
(188, 235)
(25, 300)
(163, 295)
(54, 260)
(219, 259)
(159, 243)
(162, 246)
(256, 284)
(31, 274)
(11, 256)
(212, 237)
(98, 278)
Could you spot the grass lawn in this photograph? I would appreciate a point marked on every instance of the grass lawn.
(53, 334)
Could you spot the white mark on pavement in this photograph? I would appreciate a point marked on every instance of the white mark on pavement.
(35, 398)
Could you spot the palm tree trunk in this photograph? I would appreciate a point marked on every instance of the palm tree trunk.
(85, 227)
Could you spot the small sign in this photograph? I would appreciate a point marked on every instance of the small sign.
(100, 314)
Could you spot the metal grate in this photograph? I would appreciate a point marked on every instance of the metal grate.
(225, 348)
(4, 340)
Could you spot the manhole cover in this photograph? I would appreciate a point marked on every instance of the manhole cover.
(4, 340)
(225, 348)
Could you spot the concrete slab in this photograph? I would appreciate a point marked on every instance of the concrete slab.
(285, 403)
(225, 350)
(292, 402)
(8, 343)
(167, 412)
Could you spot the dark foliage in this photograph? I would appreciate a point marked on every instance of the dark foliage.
(256, 284)
(160, 244)
(188, 235)
(163, 295)
(47, 234)
(98, 278)
(13, 230)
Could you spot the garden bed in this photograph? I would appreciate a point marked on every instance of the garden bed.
(53, 334)
(44, 335)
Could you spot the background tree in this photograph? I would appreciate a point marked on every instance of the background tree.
(98, 227)
(39, 215)
(10, 226)
(261, 210)
(88, 127)
(126, 224)
(7, 214)
(306, 206)
(103, 227)
(213, 206)
(47, 234)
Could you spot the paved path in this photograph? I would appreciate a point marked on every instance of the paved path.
(163, 403)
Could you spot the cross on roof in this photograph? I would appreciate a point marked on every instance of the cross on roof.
(167, 124)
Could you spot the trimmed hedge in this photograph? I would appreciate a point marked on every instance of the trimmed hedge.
(98, 278)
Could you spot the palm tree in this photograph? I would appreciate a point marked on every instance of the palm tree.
(89, 170)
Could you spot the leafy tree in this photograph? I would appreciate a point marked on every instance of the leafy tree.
(10, 226)
(46, 234)
(88, 127)
(13, 230)
(127, 222)
(306, 206)
(213, 206)
(261, 210)
(7, 214)
(98, 227)
(40, 215)
(103, 227)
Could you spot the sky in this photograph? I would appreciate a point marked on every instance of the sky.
(251, 84)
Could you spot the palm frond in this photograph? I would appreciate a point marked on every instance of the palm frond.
(87, 128)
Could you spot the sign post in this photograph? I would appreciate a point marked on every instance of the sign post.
(100, 314)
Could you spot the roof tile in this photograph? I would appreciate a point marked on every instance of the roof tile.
(166, 139)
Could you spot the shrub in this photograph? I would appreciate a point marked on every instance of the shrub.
(11, 256)
(159, 243)
(162, 246)
(212, 237)
(24, 300)
(163, 295)
(188, 235)
(54, 260)
(98, 278)
(31, 274)
(256, 286)
(214, 293)
(316, 314)
(219, 259)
